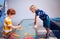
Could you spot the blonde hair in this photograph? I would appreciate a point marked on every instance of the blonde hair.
(32, 6)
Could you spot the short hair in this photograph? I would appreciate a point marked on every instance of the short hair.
(11, 11)
(32, 6)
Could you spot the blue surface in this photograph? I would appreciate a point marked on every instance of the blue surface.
(2, 2)
(2, 21)
(28, 26)
(56, 19)
(54, 25)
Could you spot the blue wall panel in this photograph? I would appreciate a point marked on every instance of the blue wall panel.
(2, 2)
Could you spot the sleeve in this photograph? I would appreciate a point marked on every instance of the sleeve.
(36, 13)
(39, 12)
(8, 22)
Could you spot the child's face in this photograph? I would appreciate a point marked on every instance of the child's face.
(33, 10)
(11, 16)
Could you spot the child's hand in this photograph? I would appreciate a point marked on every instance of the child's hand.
(20, 28)
(35, 26)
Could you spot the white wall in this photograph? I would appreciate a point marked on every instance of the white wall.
(51, 7)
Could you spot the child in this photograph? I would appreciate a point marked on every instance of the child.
(7, 28)
(43, 16)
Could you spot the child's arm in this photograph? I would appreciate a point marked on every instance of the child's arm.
(15, 27)
(36, 21)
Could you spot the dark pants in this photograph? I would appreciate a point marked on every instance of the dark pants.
(46, 22)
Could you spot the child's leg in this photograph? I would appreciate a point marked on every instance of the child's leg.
(5, 34)
(12, 36)
(48, 31)
(47, 26)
